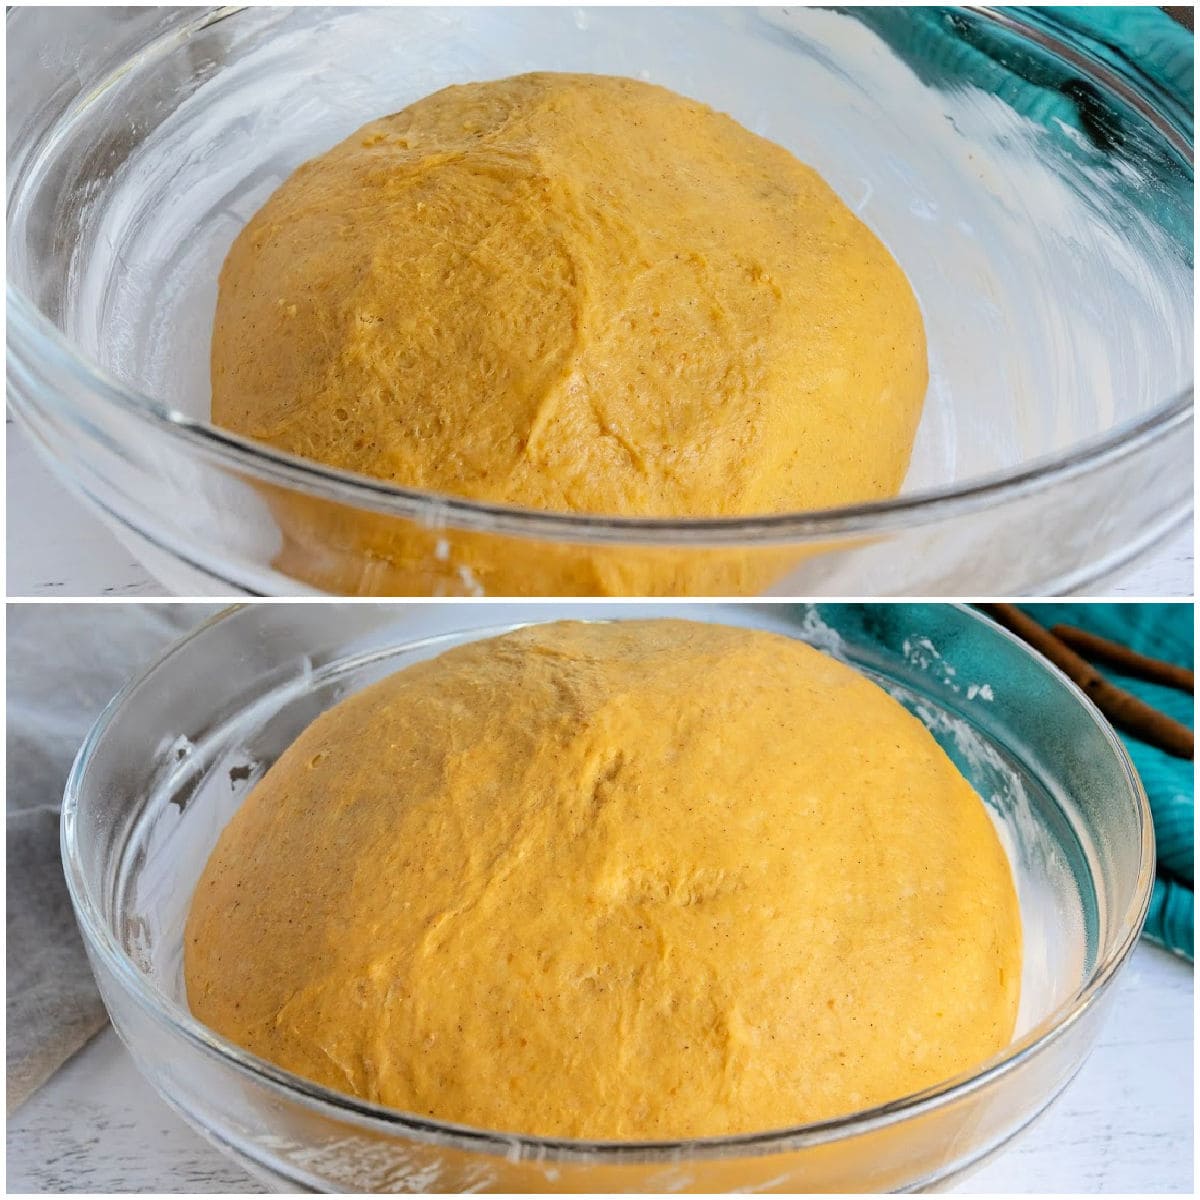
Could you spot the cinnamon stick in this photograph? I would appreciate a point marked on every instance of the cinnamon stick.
(1124, 710)
(1127, 661)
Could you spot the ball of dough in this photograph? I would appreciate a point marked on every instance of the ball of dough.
(642, 879)
(577, 293)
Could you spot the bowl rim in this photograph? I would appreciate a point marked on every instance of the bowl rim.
(177, 1021)
(35, 338)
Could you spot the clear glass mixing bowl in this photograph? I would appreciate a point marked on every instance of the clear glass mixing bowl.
(175, 753)
(1040, 200)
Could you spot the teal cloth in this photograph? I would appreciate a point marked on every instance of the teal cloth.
(950, 48)
(1159, 46)
(1164, 631)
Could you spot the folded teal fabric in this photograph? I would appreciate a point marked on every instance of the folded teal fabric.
(1079, 118)
(1160, 48)
(950, 48)
(1164, 631)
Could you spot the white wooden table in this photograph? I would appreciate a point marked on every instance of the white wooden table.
(57, 548)
(1124, 1124)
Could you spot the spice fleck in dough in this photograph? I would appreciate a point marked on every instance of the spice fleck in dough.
(576, 293)
(643, 879)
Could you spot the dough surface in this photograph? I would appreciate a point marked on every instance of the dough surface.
(576, 293)
(638, 879)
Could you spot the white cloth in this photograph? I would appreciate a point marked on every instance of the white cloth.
(65, 662)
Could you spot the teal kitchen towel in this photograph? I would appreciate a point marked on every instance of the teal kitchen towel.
(1079, 117)
(1163, 631)
(1157, 45)
(949, 47)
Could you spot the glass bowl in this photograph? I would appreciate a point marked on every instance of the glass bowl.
(1039, 199)
(175, 753)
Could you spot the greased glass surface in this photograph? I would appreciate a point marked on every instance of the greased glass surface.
(1052, 262)
(174, 755)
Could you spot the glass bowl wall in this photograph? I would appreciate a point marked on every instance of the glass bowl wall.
(1039, 199)
(176, 752)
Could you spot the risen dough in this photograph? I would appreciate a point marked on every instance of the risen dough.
(632, 880)
(567, 292)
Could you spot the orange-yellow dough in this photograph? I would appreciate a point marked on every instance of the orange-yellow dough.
(569, 292)
(640, 879)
